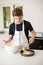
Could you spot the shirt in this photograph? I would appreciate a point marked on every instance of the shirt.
(27, 27)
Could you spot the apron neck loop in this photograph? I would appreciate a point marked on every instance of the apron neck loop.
(23, 26)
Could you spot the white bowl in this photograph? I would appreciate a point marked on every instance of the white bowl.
(11, 48)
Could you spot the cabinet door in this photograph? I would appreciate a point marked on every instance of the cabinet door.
(38, 44)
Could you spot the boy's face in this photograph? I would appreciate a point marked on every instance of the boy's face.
(18, 19)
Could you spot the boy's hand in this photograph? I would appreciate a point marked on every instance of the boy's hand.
(31, 40)
(5, 41)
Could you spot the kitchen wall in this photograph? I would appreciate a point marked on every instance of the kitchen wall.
(32, 9)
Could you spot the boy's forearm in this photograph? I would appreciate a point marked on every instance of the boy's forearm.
(9, 38)
(33, 34)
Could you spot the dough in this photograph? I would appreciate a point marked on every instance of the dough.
(10, 44)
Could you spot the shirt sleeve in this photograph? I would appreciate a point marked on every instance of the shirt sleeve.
(30, 26)
(11, 31)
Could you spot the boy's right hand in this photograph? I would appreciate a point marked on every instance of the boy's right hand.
(5, 41)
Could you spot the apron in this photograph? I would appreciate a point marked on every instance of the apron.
(20, 37)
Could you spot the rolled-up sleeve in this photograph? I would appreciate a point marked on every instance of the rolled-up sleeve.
(30, 26)
(11, 32)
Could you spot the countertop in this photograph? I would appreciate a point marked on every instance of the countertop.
(17, 59)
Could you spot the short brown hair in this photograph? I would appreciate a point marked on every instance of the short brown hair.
(17, 12)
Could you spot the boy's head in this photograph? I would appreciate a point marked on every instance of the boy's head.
(17, 15)
(17, 12)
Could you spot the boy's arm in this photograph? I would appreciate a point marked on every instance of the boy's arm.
(31, 40)
(8, 39)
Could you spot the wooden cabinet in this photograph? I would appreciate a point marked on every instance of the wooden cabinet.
(38, 43)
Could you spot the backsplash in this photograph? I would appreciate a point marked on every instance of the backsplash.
(38, 34)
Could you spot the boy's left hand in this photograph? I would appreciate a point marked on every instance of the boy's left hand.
(31, 40)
